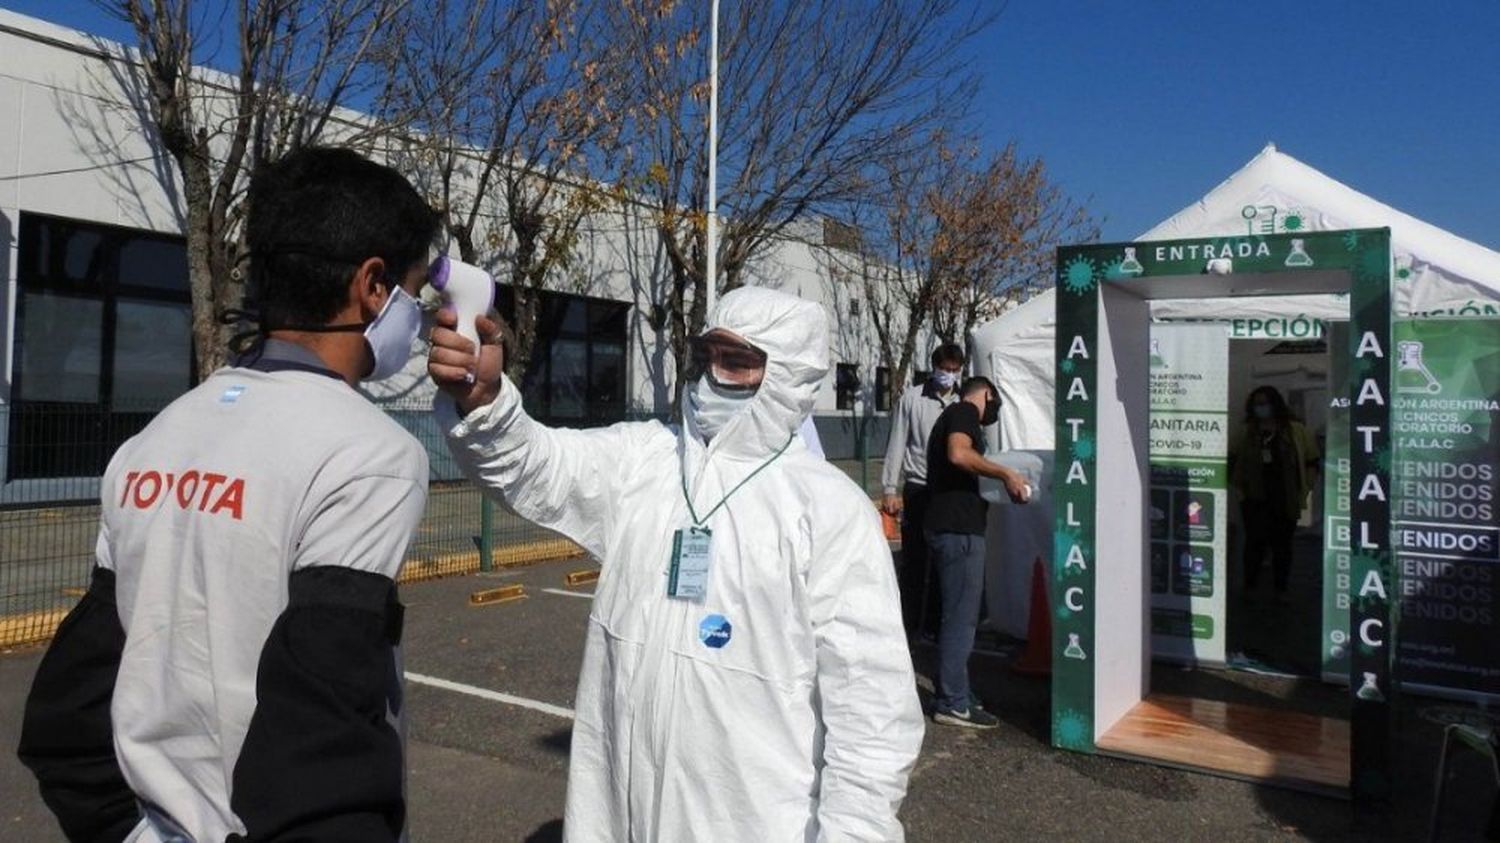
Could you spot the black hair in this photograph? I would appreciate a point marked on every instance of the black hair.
(947, 353)
(1279, 409)
(975, 384)
(315, 215)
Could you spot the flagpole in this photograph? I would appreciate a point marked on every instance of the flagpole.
(712, 226)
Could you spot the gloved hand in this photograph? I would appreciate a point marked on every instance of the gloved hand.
(472, 381)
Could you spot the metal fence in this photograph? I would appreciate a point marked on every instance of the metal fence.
(51, 458)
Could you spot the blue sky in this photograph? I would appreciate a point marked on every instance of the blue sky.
(1145, 106)
(1148, 105)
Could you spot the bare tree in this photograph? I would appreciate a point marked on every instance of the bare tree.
(942, 239)
(295, 63)
(510, 103)
(998, 228)
(812, 95)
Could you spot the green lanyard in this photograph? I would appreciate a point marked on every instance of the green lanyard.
(699, 522)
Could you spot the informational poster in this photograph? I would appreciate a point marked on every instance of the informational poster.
(1444, 490)
(1189, 448)
(1447, 424)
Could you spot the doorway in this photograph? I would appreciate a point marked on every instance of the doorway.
(1102, 700)
(1275, 616)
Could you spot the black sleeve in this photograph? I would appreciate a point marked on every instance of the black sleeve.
(322, 759)
(67, 738)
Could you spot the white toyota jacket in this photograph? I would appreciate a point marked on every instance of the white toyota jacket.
(782, 706)
(232, 668)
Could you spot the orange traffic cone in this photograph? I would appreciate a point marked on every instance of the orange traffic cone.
(1037, 660)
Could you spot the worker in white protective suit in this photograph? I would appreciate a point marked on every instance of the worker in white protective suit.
(746, 676)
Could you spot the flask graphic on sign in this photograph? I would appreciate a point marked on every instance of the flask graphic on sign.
(1074, 650)
(1157, 361)
(1299, 255)
(1369, 691)
(1411, 373)
(1131, 266)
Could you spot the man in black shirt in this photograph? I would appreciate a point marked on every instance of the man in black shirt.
(956, 519)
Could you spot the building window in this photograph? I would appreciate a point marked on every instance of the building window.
(839, 235)
(576, 375)
(103, 341)
(846, 384)
(883, 389)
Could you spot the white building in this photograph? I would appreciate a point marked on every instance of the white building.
(94, 308)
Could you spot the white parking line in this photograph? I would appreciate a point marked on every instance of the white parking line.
(495, 696)
(589, 595)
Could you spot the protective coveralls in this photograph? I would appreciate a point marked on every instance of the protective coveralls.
(780, 707)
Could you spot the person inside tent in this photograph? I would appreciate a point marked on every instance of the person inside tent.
(745, 674)
(1273, 468)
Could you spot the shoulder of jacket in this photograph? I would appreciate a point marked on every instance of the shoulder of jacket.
(377, 440)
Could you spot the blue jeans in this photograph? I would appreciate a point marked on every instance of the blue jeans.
(959, 561)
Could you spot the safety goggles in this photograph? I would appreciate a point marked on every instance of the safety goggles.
(728, 363)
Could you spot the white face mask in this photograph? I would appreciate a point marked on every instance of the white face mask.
(712, 408)
(944, 379)
(391, 335)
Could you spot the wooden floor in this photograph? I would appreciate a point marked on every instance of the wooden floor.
(1277, 747)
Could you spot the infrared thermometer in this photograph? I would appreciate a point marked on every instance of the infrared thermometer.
(466, 288)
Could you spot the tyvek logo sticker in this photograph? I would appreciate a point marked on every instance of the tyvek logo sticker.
(714, 631)
(232, 394)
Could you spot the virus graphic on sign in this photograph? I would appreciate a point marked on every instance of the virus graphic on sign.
(1066, 365)
(1384, 458)
(1070, 730)
(1351, 241)
(1293, 221)
(1084, 448)
(1372, 266)
(1078, 276)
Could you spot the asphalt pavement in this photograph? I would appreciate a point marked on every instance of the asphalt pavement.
(490, 688)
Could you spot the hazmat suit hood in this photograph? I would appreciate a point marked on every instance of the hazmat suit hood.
(793, 332)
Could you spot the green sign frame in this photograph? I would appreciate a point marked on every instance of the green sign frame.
(1089, 277)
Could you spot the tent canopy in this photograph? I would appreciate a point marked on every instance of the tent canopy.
(1435, 272)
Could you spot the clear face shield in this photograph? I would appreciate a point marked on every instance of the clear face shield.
(727, 361)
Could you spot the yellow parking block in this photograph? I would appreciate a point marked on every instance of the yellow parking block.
(505, 556)
(442, 565)
(503, 594)
(30, 628)
(577, 578)
(528, 553)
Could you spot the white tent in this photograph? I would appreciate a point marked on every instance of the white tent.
(1435, 272)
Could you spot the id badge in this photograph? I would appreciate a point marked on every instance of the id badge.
(688, 579)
